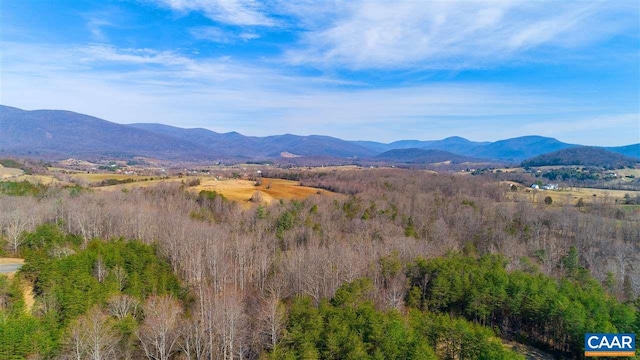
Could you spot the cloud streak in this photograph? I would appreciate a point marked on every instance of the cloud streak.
(223, 36)
(232, 12)
(452, 34)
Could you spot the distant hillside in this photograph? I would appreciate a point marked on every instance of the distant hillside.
(422, 156)
(632, 151)
(520, 148)
(454, 144)
(237, 145)
(582, 155)
(226, 144)
(511, 150)
(376, 147)
(59, 134)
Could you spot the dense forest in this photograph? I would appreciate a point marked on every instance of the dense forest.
(398, 264)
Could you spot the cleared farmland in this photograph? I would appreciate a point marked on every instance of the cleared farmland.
(6, 173)
(269, 190)
(571, 196)
(238, 190)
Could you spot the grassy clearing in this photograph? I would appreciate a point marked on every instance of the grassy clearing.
(64, 170)
(40, 179)
(137, 184)
(99, 177)
(625, 172)
(236, 189)
(6, 173)
(628, 175)
(270, 190)
(571, 196)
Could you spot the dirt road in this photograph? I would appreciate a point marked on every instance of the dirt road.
(9, 265)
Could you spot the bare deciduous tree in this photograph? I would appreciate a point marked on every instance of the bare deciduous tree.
(122, 305)
(272, 318)
(194, 340)
(92, 336)
(160, 330)
(17, 223)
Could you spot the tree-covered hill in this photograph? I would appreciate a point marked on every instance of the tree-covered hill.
(422, 156)
(582, 155)
(120, 299)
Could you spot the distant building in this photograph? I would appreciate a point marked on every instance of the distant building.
(535, 186)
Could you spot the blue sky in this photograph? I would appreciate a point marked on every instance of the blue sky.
(358, 70)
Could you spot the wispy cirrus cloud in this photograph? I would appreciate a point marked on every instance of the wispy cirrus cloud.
(223, 36)
(95, 26)
(451, 34)
(232, 12)
(431, 35)
(112, 54)
(99, 23)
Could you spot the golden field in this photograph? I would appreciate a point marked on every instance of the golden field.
(140, 183)
(100, 177)
(6, 173)
(270, 189)
(571, 196)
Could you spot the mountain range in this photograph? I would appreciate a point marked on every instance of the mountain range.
(58, 134)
